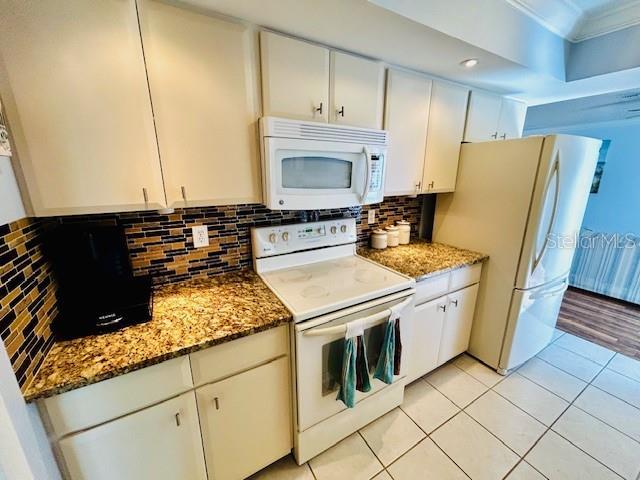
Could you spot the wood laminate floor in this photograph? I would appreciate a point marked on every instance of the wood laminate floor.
(612, 323)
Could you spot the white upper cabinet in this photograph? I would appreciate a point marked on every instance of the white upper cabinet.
(447, 116)
(159, 442)
(511, 122)
(204, 88)
(357, 91)
(296, 83)
(295, 78)
(406, 118)
(492, 117)
(75, 92)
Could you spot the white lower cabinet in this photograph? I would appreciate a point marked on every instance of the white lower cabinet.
(426, 323)
(246, 420)
(159, 442)
(439, 327)
(457, 324)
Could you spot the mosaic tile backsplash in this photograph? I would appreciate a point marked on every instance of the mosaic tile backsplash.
(161, 245)
(27, 297)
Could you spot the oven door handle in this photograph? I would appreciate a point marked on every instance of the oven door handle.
(367, 176)
(367, 322)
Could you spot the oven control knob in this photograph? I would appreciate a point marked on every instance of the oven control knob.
(285, 236)
(334, 230)
(272, 237)
(343, 229)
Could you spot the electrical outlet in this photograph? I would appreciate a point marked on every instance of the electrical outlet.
(372, 216)
(200, 236)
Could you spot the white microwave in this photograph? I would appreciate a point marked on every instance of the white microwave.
(312, 165)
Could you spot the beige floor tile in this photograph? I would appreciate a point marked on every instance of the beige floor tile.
(284, 469)
(552, 378)
(570, 362)
(619, 386)
(517, 429)
(392, 435)
(351, 459)
(585, 348)
(477, 370)
(617, 451)
(458, 386)
(611, 410)
(425, 461)
(557, 334)
(524, 471)
(556, 458)
(627, 366)
(427, 406)
(383, 475)
(477, 452)
(532, 398)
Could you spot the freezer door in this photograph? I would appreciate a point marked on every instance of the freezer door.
(559, 200)
(532, 320)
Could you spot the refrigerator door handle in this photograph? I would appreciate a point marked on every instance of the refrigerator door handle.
(554, 172)
(552, 293)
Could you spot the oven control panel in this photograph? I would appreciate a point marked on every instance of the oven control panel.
(281, 239)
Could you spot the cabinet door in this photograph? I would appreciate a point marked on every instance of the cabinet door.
(246, 420)
(482, 117)
(461, 306)
(295, 78)
(446, 127)
(75, 90)
(406, 116)
(202, 74)
(512, 115)
(160, 442)
(357, 91)
(426, 330)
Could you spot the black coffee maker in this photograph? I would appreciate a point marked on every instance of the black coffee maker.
(97, 291)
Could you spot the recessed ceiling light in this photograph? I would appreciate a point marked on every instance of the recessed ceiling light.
(470, 62)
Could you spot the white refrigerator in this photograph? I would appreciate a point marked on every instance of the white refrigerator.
(522, 203)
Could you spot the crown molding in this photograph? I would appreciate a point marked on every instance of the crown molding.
(609, 21)
(558, 16)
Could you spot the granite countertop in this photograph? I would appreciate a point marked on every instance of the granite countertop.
(187, 317)
(421, 259)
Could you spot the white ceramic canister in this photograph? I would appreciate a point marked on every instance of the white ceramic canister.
(404, 228)
(393, 236)
(379, 239)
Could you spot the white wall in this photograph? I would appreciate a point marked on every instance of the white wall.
(11, 206)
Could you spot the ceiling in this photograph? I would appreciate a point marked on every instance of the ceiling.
(578, 20)
(611, 107)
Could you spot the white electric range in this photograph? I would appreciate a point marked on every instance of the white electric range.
(314, 269)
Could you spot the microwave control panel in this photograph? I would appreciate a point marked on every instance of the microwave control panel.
(377, 169)
(281, 239)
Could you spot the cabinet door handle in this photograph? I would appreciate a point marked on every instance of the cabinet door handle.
(184, 193)
(177, 416)
(340, 112)
(431, 184)
(319, 109)
(216, 402)
(442, 307)
(495, 135)
(503, 136)
(418, 185)
(145, 195)
(454, 303)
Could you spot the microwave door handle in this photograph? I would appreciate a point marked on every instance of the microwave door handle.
(367, 176)
(368, 322)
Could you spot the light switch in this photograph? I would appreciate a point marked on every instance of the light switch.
(200, 236)
(372, 216)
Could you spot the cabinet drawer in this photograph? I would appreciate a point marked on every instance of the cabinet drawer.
(88, 406)
(224, 360)
(463, 277)
(432, 288)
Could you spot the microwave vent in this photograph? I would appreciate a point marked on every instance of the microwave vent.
(276, 127)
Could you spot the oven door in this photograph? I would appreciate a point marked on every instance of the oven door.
(319, 347)
(309, 174)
